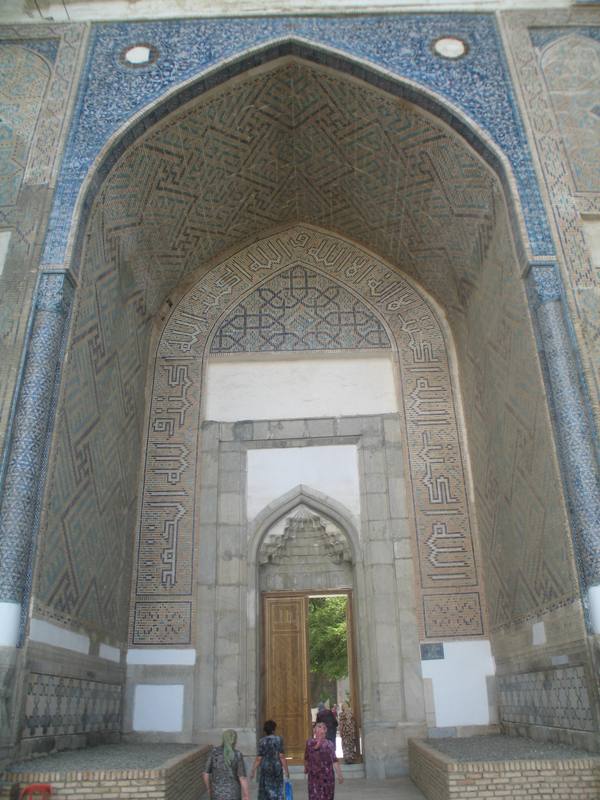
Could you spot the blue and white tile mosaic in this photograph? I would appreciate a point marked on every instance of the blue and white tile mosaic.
(478, 84)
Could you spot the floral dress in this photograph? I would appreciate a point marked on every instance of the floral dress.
(347, 731)
(270, 782)
(224, 779)
(319, 765)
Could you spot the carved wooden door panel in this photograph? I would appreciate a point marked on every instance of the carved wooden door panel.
(286, 670)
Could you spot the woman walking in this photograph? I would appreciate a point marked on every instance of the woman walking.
(319, 763)
(225, 774)
(271, 761)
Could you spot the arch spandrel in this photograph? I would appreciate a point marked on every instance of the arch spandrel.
(439, 494)
(218, 170)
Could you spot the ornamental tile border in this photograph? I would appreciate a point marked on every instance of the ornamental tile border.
(524, 32)
(400, 45)
(64, 45)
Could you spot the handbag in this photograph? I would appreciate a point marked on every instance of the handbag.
(289, 792)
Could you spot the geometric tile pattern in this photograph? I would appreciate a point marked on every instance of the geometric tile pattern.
(523, 527)
(168, 206)
(163, 623)
(33, 111)
(452, 615)
(299, 310)
(23, 79)
(298, 142)
(556, 698)
(571, 68)
(399, 182)
(478, 84)
(85, 546)
(168, 527)
(547, 61)
(56, 705)
(19, 509)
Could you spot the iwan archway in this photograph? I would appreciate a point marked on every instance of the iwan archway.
(295, 220)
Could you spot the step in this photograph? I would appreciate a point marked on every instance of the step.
(349, 771)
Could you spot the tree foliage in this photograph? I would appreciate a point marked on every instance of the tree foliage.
(328, 636)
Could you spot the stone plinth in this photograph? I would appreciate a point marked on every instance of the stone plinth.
(442, 777)
(178, 778)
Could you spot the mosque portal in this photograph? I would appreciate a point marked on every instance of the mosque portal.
(302, 365)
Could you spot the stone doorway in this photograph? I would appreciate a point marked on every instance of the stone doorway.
(304, 554)
(288, 688)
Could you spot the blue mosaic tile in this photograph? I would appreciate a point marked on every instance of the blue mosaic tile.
(478, 84)
(545, 284)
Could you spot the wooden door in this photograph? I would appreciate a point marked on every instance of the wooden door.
(286, 670)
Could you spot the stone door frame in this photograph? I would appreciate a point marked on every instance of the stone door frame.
(386, 623)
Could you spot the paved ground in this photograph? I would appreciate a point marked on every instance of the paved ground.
(355, 789)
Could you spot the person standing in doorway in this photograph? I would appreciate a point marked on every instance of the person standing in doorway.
(320, 761)
(225, 774)
(326, 715)
(271, 763)
(348, 733)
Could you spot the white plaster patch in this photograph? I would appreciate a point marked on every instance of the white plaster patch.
(591, 230)
(295, 388)
(459, 683)
(594, 606)
(332, 470)
(109, 653)
(538, 633)
(4, 242)
(10, 615)
(48, 633)
(158, 707)
(173, 657)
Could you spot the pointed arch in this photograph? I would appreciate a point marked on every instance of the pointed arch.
(317, 501)
(430, 103)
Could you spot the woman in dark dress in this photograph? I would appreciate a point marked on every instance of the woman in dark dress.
(326, 715)
(271, 761)
(225, 774)
(319, 762)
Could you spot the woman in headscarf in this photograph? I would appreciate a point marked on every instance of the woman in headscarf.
(225, 774)
(319, 762)
(348, 733)
(272, 763)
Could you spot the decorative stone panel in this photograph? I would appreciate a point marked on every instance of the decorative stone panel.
(557, 698)
(56, 705)
(168, 527)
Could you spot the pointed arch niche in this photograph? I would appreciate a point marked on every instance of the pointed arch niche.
(414, 549)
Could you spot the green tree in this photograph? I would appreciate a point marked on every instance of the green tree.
(328, 636)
